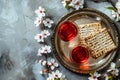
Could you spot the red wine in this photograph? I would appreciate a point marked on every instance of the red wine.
(80, 54)
(67, 31)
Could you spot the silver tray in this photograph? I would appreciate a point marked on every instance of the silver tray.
(62, 51)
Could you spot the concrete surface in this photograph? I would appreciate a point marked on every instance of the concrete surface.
(17, 31)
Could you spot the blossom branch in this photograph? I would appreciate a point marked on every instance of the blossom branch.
(115, 9)
(49, 65)
(111, 74)
(74, 4)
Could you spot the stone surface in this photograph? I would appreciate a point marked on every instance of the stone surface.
(17, 31)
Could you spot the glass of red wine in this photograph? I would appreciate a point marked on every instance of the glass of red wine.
(80, 54)
(67, 31)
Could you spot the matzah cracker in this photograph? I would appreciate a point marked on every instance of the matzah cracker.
(100, 43)
(86, 30)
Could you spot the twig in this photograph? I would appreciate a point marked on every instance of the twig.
(47, 67)
(46, 57)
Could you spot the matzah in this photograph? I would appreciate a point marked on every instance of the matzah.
(100, 43)
(86, 30)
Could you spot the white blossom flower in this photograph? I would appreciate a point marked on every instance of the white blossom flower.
(94, 76)
(43, 50)
(57, 74)
(45, 33)
(38, 21)
(48, 22)
(43, 62)
(40, 12)
(113, 69)
(52, 63)
(39, 38)
(77, 4)
(46, 49)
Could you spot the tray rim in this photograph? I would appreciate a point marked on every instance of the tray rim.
(67, 14)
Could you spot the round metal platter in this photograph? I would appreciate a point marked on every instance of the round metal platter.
(62, 49)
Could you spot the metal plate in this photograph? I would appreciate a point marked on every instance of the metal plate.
(62, 49)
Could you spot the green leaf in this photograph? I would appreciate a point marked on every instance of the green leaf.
(111, 8)
(67, 6)
(57, 79)
(45, 11)
(92, 72)
(110, 78)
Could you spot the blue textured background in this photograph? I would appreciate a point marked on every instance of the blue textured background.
(17, 31)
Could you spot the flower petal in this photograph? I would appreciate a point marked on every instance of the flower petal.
(52, 67)
(52, 60)
(56, 64)
(112, 65)
(41, 72)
